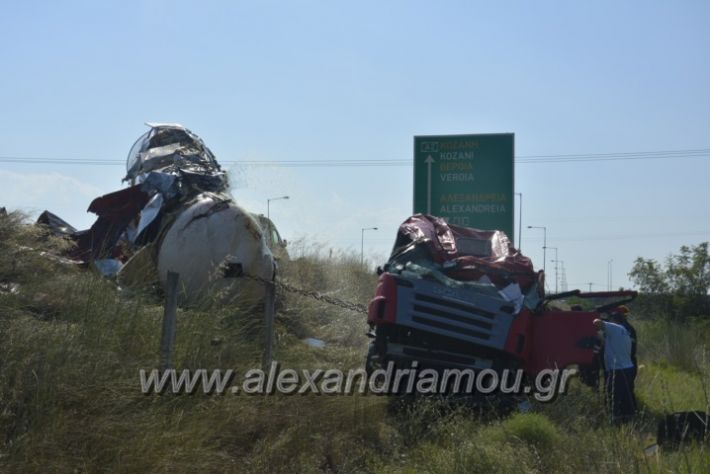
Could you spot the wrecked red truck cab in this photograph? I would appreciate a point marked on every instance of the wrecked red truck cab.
(457, 297)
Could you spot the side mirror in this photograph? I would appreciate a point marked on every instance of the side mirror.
(284, 243)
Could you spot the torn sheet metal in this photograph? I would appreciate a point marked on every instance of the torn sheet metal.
(115, 213)
(163, 183)
(484, 262)
(426, 270)
(512, 294)
(149, 213)
(172, 149)
(56, 224)
(463, 253)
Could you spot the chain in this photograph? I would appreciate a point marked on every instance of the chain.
(357, 308)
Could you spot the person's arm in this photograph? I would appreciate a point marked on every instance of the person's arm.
(599, 325)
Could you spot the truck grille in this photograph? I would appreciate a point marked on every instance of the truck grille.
(468, 314)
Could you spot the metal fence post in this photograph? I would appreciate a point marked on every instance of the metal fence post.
(167, 338)
(269, 313)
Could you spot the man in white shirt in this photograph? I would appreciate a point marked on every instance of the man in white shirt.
(619, 370)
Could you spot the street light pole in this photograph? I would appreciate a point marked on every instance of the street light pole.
(362, 243)
(609, 273)
(268, 205)
(520, 221)
(544, 244)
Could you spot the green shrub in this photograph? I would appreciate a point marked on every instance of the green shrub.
(533, 429)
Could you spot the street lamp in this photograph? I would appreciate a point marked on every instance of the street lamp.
(609, 273)
(268, 202)
(520, 221)
(544, 243)
(362, 243)
(555, 262)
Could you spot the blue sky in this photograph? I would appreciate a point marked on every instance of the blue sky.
(357, 80)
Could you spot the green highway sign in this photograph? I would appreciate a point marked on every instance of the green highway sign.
(466, 179)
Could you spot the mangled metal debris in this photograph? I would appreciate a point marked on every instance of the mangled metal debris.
(176, 215)
(478, 261)
(458, 297)
(56, 224)
(172, 160)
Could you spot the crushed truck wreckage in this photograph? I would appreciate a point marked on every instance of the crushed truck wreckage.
(176, 215)
(457, 297)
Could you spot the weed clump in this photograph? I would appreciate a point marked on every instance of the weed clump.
(533, 429)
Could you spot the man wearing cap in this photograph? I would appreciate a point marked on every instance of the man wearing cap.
(618, 370)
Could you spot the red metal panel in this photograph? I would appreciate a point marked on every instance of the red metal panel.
(383, 307)
(556, 337)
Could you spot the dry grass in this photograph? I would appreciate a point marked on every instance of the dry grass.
(71, 345)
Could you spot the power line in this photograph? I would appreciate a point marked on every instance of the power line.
(631, 236)
(525, 159)
(59, 161)
(640, 155)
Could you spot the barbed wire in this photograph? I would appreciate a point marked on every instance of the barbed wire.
(278, 283)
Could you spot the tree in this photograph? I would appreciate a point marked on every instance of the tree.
(649, 276)
(685, 278)
(689, 272)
